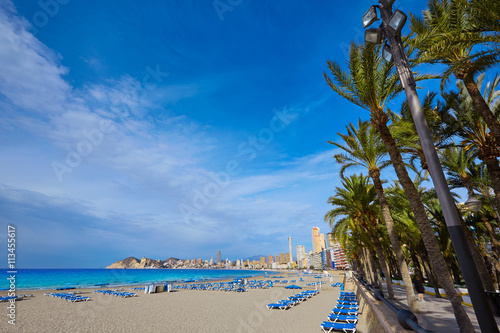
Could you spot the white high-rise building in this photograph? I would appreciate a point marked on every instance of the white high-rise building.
(301, 256)
(290, 249)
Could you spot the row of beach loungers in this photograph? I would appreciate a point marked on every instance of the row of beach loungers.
(344, 316)
(17, 297)
(116, 293)
(292, 300)
(227, 286)
(70, 297)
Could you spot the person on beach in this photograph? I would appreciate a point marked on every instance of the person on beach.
(419, 288)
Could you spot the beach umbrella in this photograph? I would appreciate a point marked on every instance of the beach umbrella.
(293, 286)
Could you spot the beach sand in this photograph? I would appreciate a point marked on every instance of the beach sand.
(179, 311)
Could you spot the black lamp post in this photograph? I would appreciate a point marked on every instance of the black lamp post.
(390, 32)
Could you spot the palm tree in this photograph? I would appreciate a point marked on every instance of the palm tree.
(457, 163)
(407, 228)
(363, 146)
(484, 15)
(439, 120)
(474, 131)
(356, 201)
(371, 83)
(488, 212)
(445, 35)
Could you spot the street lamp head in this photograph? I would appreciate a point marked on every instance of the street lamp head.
(397, 22)
(386, 3)
(386, 53)
(473, 204)
(373, 36)
(370, 16)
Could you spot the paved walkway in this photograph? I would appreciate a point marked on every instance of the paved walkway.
(436, 313)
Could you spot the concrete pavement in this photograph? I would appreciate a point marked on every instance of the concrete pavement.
(436, 313)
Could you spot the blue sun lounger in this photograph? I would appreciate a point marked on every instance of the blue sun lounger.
(347, 306)
(281, 306)
(288, 301)
(353, 319)
(351, 300)
(345, 311)
(298, 298)
(328, 327)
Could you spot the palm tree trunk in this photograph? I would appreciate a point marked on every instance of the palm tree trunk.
(495, 248)
(379, 120)
(369, 268)
(376, 272)
(482, 107)
(478, 259)
(383, 265)
(396, 271)
(396, 244)
(428, 271)
(489, 266)
(494, 170)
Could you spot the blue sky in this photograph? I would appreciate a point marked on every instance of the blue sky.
(172, 128)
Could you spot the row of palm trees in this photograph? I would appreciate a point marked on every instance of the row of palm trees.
(389, 228)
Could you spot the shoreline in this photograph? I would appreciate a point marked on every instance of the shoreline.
(138, 284)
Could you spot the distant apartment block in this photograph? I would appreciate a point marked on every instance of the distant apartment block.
(339, 257)
(318, 240)
(316, 261)
(330, 240)
(282, 258)
(301, 256)
(218, 257)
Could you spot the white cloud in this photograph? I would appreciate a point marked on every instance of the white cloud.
(30, 76)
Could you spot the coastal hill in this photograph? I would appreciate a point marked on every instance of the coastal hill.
(132, 262)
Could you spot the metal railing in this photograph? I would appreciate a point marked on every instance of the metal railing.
(405, 318)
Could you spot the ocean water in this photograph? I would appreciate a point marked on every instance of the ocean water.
(32, 279)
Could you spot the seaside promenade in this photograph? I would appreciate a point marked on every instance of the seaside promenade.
(436, 313)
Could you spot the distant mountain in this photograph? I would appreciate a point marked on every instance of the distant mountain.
(172, 260)
(132, 262)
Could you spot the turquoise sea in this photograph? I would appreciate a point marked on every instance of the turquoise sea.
(32, 279)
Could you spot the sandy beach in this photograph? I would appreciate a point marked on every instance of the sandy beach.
(179, 311)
